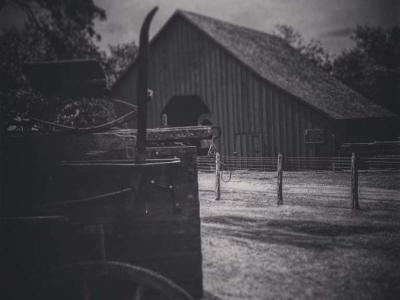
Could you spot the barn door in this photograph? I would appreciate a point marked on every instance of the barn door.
(185, 110)
(249, 144)
(257, 144)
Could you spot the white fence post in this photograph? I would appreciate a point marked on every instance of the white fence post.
(217, 176)
(354, 182)
(279, 183)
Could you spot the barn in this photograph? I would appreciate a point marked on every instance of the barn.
(264, 95)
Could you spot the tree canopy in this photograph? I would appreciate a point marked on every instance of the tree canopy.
(121, 56)
(52, 30)
(312, 49)
(372, 67)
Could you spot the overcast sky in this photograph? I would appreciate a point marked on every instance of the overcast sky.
(329, 21)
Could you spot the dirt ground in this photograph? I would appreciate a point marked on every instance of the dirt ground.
(312, 247)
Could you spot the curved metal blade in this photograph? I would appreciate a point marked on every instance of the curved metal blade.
(142, 85)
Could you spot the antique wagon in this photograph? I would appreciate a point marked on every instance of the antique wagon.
(96, 213)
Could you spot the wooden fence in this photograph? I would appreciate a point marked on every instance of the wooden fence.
(352, 164)
(268, 164)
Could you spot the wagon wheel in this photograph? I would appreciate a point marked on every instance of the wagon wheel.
(108, 280)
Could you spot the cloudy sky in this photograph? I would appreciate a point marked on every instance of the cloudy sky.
(329, 21)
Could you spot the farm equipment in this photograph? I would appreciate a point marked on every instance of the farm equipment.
(94, 213)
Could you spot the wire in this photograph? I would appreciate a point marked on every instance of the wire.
(104, 126)
(223, 171)
(212, 150)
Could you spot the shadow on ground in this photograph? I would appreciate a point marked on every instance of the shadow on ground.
(313, 234)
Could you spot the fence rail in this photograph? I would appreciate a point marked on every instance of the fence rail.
(230, 163)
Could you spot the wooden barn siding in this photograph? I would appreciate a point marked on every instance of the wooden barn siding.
(184, 61)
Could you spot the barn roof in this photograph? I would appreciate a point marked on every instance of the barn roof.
(276, 61)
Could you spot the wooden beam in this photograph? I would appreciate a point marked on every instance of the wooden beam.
(170, 134)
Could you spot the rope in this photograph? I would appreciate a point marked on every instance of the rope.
(222, 173)
(104, 126)
(212, 150)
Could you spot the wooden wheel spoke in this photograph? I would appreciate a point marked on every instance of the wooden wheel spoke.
(85, 291)
(86, 274)
(139, 292)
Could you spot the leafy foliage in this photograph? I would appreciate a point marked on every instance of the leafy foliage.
(53, 30)
(121, 56)
(312, 50)
(372, 67)
(83, 113)
(63, 28)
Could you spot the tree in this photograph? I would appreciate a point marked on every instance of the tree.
(372, 66)
(65, 28)
(53, 29)
(120, 57)
(312, 50)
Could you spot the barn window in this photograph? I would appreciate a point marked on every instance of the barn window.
(249, 144)
(187, 111)
(314, 136)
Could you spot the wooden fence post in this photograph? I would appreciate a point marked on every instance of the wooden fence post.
(164, 120)
(217, 176)
(2, 172)
(280, 171)
(354, 182)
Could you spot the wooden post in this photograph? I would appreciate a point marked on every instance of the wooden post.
(164, 120)
(217, 176)
(102, 244)
(85, 290)
(2, 172)
(354, 182)
(280, 171)
(236, 164)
